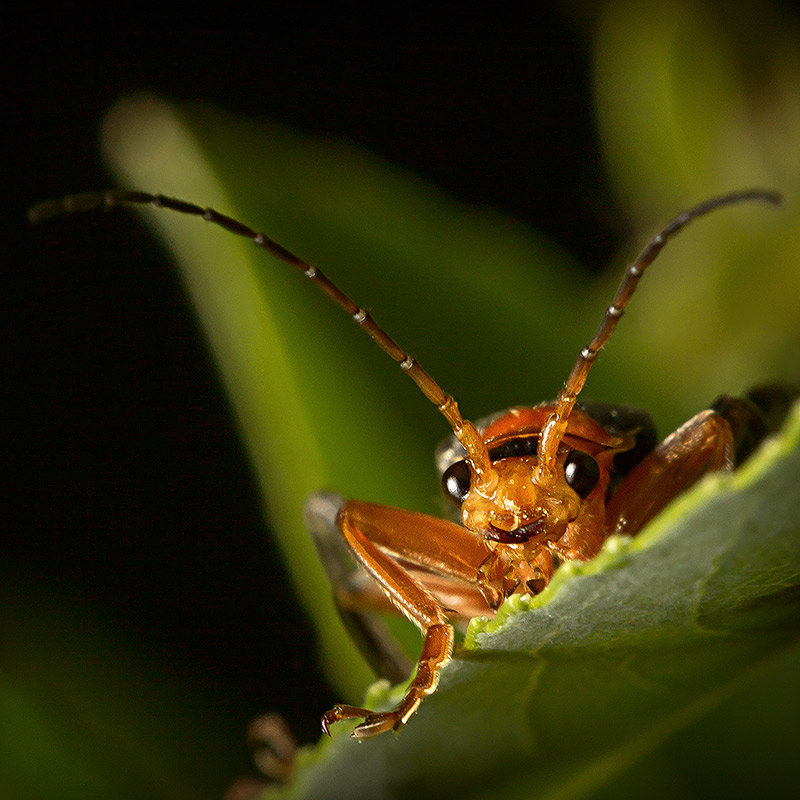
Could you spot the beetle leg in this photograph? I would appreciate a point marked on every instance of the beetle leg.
(450, 562)
(421, 608)
(703, 444)
(386, 543)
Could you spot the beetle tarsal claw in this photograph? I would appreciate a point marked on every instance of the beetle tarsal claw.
(374, 723)
(338, 713)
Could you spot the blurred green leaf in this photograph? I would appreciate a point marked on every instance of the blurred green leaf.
(695, 99)
(85, 715)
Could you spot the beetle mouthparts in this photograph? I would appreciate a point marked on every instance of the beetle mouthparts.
(518, 535)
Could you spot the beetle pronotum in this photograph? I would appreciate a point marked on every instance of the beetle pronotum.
(534, 486)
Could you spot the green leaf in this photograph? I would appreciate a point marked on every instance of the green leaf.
(84, 714)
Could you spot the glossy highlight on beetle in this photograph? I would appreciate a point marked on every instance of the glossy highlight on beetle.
(532, 487)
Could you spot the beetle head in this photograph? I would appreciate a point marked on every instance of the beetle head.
(518, 508)
(525, 503)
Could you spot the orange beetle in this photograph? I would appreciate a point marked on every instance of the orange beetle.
(533, 486)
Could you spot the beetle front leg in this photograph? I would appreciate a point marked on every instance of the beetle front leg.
(436, 651)
(380, 538)
(416, 604)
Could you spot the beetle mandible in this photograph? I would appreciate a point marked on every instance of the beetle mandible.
(533, 486)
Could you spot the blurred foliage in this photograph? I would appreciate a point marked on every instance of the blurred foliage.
(693, 98)
(82, 715)
(691, 101)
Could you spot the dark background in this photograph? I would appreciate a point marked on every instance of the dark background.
(129, 491)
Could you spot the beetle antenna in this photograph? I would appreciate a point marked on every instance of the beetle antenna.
(465, 431)
(556, 425)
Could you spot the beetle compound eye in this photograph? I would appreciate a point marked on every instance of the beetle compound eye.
(455, 481)
(582, 472)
